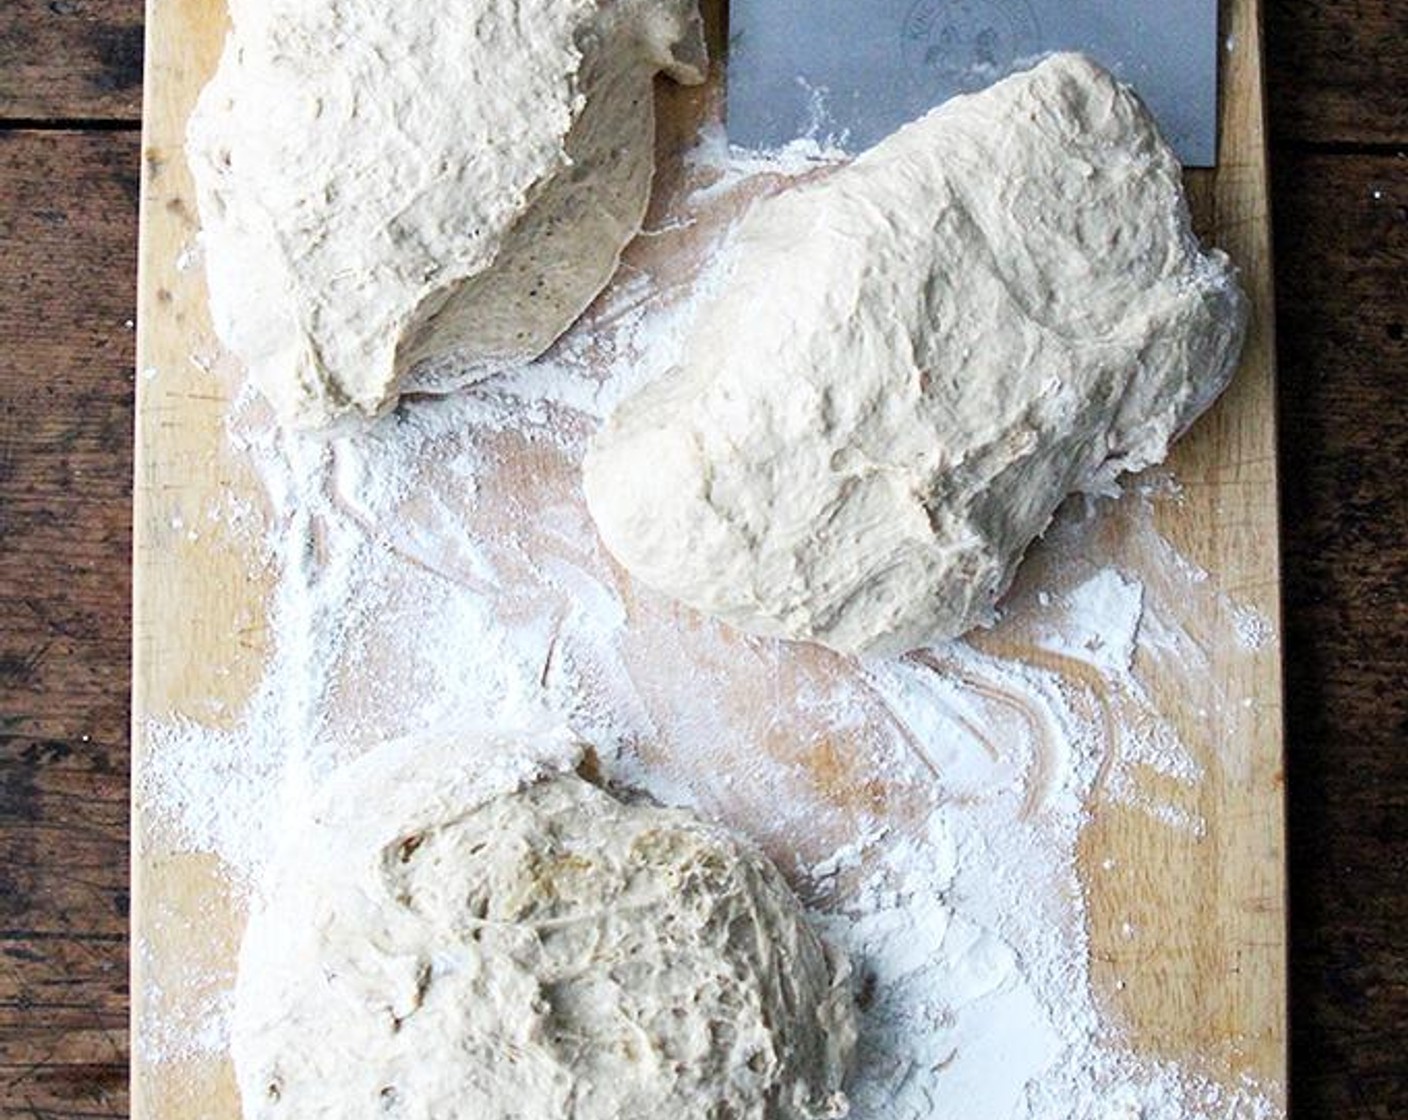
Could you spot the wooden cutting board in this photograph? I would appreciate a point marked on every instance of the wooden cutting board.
(1213, 959)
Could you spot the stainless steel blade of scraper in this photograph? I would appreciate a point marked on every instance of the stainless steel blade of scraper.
(849, 72)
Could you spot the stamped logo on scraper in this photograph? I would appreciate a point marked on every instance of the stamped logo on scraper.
(957, 45)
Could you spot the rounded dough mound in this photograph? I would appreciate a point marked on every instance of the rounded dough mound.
(408, 196)
(544, 954)
(914, 360)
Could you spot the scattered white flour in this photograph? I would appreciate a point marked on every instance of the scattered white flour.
(1254, 629)
(439, 572)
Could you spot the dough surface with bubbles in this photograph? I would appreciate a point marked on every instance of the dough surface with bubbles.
(548, 953)
(911, 363)
(410, 196)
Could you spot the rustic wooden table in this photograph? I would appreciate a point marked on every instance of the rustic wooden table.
(70, 103)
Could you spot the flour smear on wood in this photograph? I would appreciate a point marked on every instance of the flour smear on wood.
(438, 574)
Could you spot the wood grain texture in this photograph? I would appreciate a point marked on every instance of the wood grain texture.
(1338, 71)
(65, 483)
(71, 60)
(1342, 247)
(1342, 312)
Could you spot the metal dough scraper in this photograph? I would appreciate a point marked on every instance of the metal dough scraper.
(849, 72)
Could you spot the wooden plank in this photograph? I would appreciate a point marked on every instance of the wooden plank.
(1216, 947)
(1338, 71)
(1342, 248)
(65, 482)
(71, 60)
(187, 595)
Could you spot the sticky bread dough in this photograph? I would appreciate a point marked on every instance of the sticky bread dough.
(913, 361)
(432, 187)
(428, 949)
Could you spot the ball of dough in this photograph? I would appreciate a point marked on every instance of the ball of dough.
(543, 954)
(385, 187)
(913, 361)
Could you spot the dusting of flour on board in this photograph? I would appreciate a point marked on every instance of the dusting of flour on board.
(438, 574)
